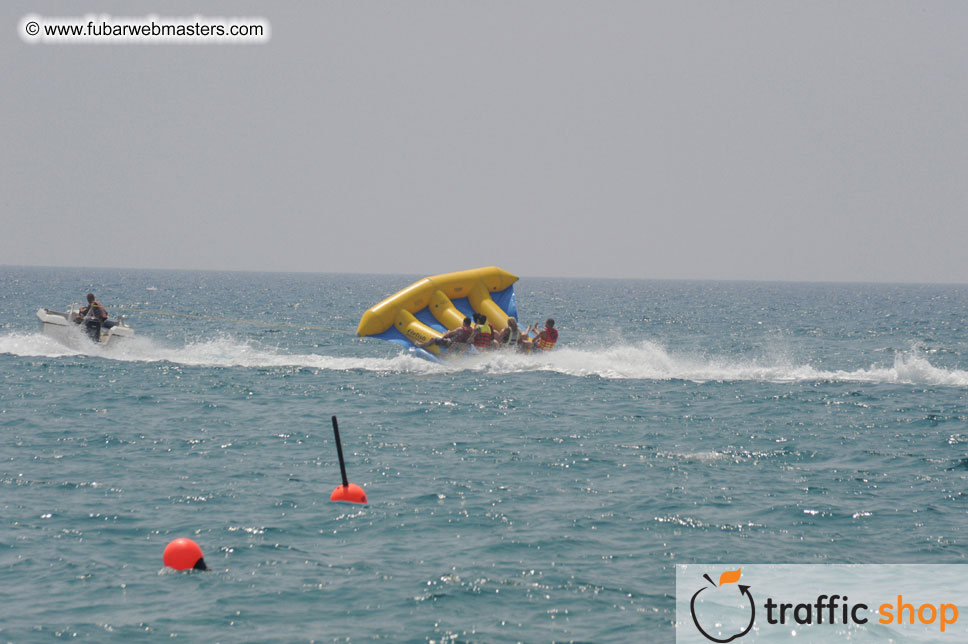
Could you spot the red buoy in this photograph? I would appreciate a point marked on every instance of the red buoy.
(347, 491)
(184, 554)
(352, 493)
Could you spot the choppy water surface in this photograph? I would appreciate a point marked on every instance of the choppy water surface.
(512, 498)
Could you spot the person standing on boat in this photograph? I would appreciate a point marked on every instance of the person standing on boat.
(95, 317)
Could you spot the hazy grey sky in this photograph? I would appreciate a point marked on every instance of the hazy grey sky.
(722, 140)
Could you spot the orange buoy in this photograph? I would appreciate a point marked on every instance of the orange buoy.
(350, 492)
(347, 491)
(184, 554)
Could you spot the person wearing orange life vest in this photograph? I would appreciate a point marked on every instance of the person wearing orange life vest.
(483, 333)
(547, 337)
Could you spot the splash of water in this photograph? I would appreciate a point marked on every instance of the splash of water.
(218, 352)
(649, 361)
(641, 361)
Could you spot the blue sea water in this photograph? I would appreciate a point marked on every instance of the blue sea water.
(512, 498)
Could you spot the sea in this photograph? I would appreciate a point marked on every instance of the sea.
(511, 498)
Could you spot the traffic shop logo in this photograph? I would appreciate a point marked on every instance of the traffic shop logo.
(725, 580)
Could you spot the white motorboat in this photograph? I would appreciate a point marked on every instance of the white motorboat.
(68, 327)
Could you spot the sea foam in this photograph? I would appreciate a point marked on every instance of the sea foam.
(644, 360)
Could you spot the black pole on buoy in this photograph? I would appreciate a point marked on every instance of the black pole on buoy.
(347, 491)
(339, 452)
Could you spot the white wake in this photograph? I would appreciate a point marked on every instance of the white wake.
(641, 361)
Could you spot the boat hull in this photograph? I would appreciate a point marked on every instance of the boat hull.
(61, 327)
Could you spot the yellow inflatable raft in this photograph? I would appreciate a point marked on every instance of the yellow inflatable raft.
(427, 308)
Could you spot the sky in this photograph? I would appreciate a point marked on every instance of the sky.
(792, 141)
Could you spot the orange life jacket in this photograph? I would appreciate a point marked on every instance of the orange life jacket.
(547, 343)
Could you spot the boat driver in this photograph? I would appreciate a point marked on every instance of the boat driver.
(95, 317)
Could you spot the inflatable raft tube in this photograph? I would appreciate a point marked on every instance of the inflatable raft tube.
(429, 307)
